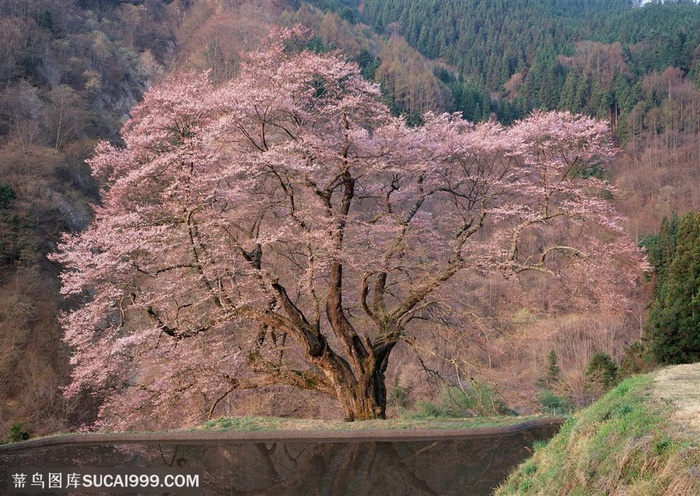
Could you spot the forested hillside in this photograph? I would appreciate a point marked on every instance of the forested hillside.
(71, 70)
(69, 74)
(636, 66)
(580, 56)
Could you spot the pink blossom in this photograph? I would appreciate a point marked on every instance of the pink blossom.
(284, 228)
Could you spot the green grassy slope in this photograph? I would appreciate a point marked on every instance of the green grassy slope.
(642, 438)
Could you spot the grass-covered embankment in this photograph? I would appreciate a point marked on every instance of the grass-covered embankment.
(283, 429)
(273, 424)
(641, 439)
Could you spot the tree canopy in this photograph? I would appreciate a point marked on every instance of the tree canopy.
(284, 228)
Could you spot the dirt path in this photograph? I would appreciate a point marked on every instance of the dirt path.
(680, 386)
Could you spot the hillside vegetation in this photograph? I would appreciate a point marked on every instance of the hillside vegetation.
(69, 73)
(642, 438)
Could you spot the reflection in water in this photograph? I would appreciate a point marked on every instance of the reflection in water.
(465, 466)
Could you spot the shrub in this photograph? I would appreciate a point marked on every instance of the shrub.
(7, 195)
(453, 402)
(637, 360)
(553, 404)
(601, 374)
(398, 395)
(18, 433)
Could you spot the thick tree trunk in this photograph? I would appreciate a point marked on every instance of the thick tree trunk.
(361, 396)
(365, 399)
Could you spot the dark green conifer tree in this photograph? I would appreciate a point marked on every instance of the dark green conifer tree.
(673, 326)
(553, 371)
(661, 249)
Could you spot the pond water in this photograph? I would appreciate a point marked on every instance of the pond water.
(460, 465)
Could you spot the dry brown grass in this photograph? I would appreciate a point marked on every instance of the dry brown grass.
(680, 387)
